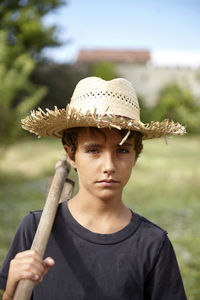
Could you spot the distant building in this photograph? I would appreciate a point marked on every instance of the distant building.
(116, 56)
(148, 79)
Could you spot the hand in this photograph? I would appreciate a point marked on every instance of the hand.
(26, 265)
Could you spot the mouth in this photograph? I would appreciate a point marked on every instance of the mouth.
(107, 182)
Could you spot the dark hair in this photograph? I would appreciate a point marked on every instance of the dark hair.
(70, 138)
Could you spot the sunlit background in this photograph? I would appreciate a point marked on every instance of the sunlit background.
(169, 30)
(47, 46)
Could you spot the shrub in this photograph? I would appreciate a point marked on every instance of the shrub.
(179, 105)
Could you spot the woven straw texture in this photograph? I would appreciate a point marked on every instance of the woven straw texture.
(99, 103)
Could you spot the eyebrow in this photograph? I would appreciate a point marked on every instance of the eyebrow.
(87, 145)
(125, 145)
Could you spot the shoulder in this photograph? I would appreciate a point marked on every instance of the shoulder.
(149, 227)
(152, 243)
(30, 220)
(150, 236)
(24, 234)
(28, 225)
(34, 216)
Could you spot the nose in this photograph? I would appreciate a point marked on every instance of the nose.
(108, 164)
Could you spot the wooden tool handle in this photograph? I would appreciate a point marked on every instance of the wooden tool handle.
(25, 286)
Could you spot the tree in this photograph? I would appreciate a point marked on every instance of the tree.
(25, 32)
(22, 39)
(18, 94)
(179, 105)
(105, 70)
(60, 81)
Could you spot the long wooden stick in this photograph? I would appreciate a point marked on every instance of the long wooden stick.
(25, 286)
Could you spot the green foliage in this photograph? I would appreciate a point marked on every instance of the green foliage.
(104, 70)
(22, 38)
(146, 112)
(190, 262)
(22, 22)
(198, 74)
(60, 81)
(179, 105)
(18, 94)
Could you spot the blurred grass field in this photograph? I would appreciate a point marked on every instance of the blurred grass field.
(164, 187)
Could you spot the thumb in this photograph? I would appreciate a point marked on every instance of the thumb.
(48, 262)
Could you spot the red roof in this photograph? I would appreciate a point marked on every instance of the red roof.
(129, 56)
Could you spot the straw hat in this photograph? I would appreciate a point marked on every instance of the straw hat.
(99, 103)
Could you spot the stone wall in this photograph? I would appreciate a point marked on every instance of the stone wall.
(149, 79)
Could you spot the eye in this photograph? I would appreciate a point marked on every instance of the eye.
(122, 150)
(93, 151)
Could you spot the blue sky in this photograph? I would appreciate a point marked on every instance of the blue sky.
(169, 28)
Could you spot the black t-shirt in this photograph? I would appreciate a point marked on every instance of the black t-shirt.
(137, 262)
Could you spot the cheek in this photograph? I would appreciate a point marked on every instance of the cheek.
(128, 171)
(128, 162)
(85, 166)
(86, 174)
(88, 170)
(127, 167)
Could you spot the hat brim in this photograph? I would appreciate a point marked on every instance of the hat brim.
(52, 123)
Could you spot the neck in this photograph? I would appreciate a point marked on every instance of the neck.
(86, 203)
(99, 215)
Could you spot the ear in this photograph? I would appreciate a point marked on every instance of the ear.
(69, 154)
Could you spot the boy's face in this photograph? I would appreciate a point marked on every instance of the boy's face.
(103, 166)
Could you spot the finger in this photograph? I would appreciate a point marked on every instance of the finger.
(48, 262)
(29, 257)
(26, 266)
(27, 263)
(28, 253)
(14, 279)
(33, 275)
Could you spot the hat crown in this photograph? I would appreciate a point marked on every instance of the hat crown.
(114, 97)
(99, 103)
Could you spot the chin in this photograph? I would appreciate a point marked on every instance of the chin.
(109, 196)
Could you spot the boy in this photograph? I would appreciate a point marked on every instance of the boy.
(98, 248)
